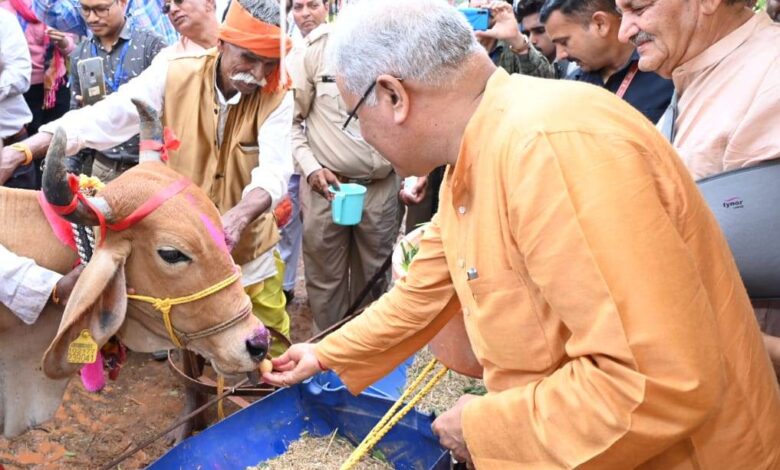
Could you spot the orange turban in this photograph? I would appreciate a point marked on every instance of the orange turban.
(244, 30)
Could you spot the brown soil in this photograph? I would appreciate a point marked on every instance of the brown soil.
(91, 429)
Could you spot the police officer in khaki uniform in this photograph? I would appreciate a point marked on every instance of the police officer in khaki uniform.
(338, 260)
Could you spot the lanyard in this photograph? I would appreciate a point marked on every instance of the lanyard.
(627, 79)
(118, 77)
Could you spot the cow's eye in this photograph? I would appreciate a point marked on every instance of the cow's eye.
(173, 256)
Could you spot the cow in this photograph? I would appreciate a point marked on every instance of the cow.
(175, 251)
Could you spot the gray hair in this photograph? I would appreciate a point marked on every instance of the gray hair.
(266, 11)
(421, 40)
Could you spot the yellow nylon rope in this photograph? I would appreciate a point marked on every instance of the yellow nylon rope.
(165, 305)
(391, 418)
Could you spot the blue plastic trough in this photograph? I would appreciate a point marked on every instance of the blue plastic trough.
(263, 430)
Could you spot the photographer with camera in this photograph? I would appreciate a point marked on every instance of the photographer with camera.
(507, 47)
(114, 54)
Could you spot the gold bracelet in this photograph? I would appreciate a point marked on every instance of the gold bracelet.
(22, 147)
(54, 297)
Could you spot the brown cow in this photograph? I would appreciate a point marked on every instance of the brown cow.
(175, 251)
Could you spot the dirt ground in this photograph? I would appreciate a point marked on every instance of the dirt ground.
(91, 429)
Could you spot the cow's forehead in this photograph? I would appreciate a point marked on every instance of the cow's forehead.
(216, 233)
(136, 186)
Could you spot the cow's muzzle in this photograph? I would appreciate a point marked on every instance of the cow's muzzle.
(257, 345)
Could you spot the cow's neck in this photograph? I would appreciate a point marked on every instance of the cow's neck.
(26, 231)
(143, 329)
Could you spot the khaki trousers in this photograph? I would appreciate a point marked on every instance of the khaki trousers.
(339, 260)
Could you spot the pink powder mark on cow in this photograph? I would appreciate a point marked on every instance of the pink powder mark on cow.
(92, 375)
(217, 234)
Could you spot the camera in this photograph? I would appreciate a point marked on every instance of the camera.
(92, 80)
(477, 17)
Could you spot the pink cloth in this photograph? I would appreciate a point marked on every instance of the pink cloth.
(59, 226)
(92, 375)
(729, 99)
(36, 41)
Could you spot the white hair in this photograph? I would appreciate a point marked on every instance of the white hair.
(266, 11)
(421, 40)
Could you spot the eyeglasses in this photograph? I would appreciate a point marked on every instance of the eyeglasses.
(167, 6)
(353, 115)
(101, 11)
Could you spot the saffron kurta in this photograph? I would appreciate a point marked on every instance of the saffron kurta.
(604, 303)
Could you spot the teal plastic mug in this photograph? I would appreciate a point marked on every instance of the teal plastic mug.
(347, 206)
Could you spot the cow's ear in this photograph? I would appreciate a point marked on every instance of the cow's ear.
(98, 304)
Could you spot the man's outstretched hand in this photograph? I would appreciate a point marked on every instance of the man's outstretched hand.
(294, 366)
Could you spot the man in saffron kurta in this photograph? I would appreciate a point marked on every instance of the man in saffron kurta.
(232, 111)
(597, 290)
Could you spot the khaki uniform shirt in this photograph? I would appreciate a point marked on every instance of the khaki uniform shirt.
(603, 302)
(321, 142)
(729, 101)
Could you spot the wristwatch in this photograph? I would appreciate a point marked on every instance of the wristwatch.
(525, 48)
(24, 148)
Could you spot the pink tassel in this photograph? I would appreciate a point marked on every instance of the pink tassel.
(92, 375)
(54, 78)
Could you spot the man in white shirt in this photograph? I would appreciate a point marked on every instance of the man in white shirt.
(236, 91)
(15, 70)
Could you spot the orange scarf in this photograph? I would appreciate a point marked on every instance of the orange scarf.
(244, 30)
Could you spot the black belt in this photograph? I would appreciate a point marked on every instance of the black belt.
(18, 137)
(116, 164)
(363, 181)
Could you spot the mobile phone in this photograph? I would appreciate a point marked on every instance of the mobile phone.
(93, 82)
(477, 17)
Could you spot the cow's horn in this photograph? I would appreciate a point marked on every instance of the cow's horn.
(58, 192)
(151, 130)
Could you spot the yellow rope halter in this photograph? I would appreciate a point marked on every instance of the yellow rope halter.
(391, 418)
(165, 305)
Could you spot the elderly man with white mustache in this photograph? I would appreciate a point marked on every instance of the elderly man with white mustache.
(231, 108)
(724, 61)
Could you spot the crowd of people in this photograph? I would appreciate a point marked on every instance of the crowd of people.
(598, 292)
